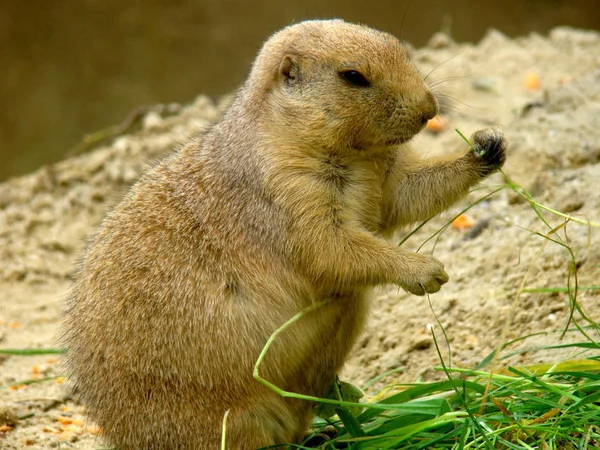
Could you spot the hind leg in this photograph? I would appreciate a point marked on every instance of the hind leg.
(271, 420)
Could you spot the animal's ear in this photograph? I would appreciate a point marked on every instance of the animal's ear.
(289, 69)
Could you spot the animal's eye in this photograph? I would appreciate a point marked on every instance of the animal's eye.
(355, 78)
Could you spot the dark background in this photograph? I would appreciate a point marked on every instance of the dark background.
(71, 67)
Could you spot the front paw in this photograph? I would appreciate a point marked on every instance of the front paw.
(489, 149)
(426, 275)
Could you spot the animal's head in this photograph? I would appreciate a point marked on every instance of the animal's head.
(340, 86)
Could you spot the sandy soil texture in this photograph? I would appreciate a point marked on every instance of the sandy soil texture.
(554, 135)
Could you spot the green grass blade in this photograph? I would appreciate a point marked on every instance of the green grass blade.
(31, 351)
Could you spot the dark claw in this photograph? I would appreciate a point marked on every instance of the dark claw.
(489, 146)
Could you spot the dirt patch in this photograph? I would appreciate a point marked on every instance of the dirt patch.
(554, 135)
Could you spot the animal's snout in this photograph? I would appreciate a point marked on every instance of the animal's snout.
(428, 108)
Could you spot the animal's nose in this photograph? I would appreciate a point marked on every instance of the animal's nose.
(428, 107)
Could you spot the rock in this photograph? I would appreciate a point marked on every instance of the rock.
(8, 416)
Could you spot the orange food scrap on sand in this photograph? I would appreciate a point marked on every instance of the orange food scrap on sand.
(462, 222)
(65, 420)
(435, 125)
(60, 380)
(13, 325)
(65, 435)
(532, 81)
(6, 428)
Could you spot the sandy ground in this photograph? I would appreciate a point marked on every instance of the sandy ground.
(554, 135)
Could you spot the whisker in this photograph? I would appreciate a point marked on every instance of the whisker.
(444, 121)
(448, 107)
(442, 63)
(446, 96)
(404, 17)
(449, 103)
(451, 78)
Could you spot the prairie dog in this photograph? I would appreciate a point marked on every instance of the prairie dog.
(286, 202)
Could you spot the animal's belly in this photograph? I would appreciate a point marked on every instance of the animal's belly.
(314, 348)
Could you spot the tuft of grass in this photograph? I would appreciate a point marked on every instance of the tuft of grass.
(539, 406)
(555, 409)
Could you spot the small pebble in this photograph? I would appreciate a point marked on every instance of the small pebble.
(8, 416)
(440, 40)
(153, 120)
(485, 84)
(421, 343)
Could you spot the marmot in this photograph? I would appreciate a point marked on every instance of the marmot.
(285, 202)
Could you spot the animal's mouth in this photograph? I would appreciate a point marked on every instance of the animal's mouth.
(402, 139)
(397, 140)
(389, 143)
(407, 136)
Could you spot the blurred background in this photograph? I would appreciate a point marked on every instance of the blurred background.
(71, 67)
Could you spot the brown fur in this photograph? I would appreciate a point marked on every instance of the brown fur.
(284, 203)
